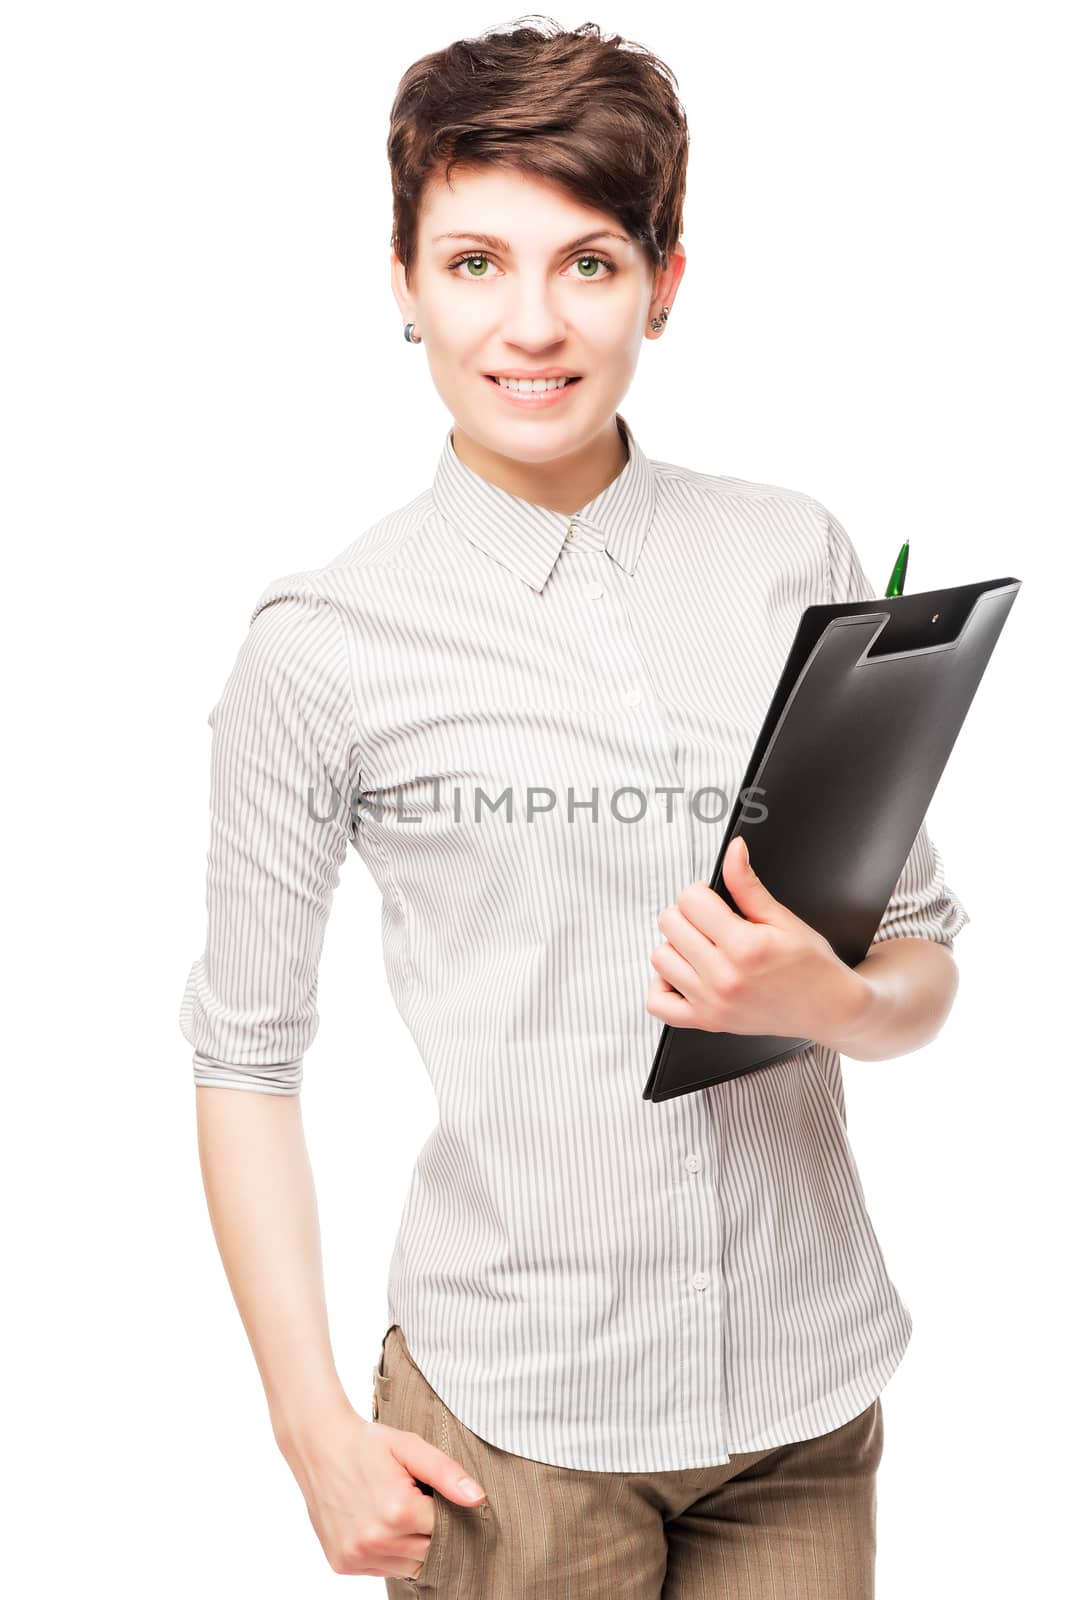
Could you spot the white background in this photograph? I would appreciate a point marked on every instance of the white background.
(205, 385)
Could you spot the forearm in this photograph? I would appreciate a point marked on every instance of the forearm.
(905, 992)
(261, 1200)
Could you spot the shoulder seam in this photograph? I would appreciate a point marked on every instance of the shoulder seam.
(828, 566)
(291, 586)
(349, 827)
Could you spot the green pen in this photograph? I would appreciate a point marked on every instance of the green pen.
(897, 579)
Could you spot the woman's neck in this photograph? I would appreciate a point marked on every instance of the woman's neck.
(565, 484)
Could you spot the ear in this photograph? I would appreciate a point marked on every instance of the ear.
(667, 281)
(402, 289)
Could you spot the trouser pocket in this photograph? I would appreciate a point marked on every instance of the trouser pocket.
(381, 1377)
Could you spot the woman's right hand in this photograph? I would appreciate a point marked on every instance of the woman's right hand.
(360, 1480)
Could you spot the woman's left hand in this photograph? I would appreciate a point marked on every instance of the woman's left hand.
(764, 972)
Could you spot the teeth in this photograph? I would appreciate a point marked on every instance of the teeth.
(531, 385)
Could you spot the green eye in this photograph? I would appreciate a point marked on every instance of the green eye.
(478, 266)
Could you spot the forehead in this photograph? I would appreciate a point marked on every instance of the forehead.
(519, 207)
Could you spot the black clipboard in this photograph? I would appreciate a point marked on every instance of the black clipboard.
(855, 740)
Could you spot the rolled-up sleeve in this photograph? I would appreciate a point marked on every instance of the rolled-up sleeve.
(281, 773)
(922, 906)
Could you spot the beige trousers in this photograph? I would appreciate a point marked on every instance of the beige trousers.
(796, 1522)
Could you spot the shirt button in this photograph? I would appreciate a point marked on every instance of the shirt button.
(593, 591)
(693, 1163)
(700, 1280)
(633, 697)
(572, 533)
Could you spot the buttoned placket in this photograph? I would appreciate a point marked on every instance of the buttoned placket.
(669, 870)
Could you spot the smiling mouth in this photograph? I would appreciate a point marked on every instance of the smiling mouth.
(493, 379)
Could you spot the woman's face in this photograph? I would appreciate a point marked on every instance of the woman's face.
(534, 298)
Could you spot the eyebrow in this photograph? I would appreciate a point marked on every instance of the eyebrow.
(492, 241)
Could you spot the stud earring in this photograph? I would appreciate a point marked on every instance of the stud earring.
(411, 335)
(658, 322)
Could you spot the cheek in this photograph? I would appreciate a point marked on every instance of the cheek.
(456, 321)
(614, 333)
(453, 352)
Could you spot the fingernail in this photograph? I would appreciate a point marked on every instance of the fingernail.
(470, 1488)
(745, 851)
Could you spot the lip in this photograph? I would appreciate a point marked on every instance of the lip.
(540, 372)
(540, 399)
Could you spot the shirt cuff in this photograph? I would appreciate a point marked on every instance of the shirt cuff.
(283, 1077)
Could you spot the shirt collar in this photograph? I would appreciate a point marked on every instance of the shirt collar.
(528, 538)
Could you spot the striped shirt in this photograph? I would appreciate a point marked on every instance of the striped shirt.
(532, 727)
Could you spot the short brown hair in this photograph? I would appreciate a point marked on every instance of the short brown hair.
(592, 112)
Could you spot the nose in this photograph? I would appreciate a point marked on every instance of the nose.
(532, 319)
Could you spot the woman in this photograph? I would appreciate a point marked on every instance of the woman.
(634, 1348)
